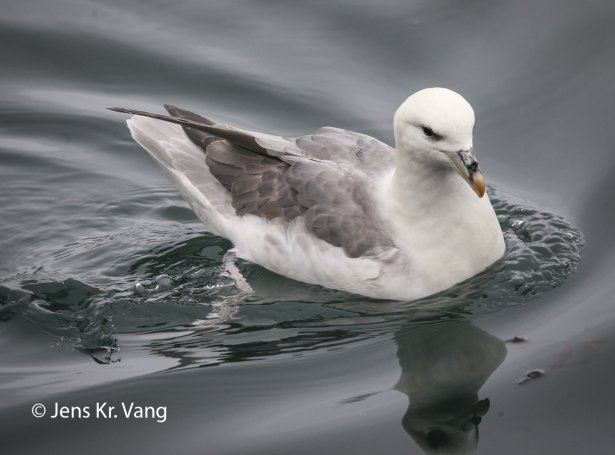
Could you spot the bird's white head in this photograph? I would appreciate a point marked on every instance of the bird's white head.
(435, 126)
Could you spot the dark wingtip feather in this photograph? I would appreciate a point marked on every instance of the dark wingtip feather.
(122, 110)
(183, 113)
(190, 120)
(171, 109)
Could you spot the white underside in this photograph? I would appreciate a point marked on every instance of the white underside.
(458, 250)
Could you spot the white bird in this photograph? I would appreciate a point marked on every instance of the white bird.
(339, 208)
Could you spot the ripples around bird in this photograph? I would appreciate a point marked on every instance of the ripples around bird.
(163, 289)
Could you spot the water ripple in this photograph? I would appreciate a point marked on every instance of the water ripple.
(164, 289)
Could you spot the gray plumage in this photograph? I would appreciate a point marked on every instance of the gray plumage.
(320, 179)
(337, 208)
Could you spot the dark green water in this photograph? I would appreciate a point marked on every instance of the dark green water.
(112, 291)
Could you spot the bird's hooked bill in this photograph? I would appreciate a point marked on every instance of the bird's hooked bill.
(467, 166)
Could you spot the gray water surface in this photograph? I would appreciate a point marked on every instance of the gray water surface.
(111, 290)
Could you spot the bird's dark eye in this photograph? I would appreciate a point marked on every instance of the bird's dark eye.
(428, 131)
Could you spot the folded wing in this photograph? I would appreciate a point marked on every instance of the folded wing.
(322, 180)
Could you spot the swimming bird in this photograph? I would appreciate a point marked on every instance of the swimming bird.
(339, 208)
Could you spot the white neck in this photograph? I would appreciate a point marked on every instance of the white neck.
(438, 219)
(428, 185)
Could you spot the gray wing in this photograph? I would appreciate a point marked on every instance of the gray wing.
(348, 149)
(323, 179)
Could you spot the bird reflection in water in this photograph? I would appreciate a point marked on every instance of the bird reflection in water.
(444, 364)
